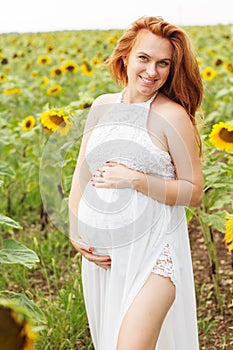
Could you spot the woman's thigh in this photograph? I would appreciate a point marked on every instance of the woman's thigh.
(142, 323)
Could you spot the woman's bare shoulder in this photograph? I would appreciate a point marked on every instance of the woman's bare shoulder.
(169, 110)
(106, 99)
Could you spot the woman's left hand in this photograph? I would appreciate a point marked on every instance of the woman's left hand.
(113, 175)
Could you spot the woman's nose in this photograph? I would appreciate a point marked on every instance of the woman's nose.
(151, 70)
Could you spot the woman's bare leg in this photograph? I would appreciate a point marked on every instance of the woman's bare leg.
(142, 323)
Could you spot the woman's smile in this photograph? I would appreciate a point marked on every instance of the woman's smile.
(147, 81)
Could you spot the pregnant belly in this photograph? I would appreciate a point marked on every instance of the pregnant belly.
(110, 218)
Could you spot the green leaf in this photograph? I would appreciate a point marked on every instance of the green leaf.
(5, 169)
(221, 202)
(21, 304)
(14, 252)
(216, 220)
(5, 220)
(190, 211)
(34, 311)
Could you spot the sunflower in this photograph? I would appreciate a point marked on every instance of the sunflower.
(8, 70)
(56, 120)
(208, 73)
(34, 74)
(69, 67)
(229, 67)
(95, 61)
(112, 40)
(218, 62)
(28, 123)
(211, 52)
(56, 71)
(86, 69)
(15, 328)
(42, 60)
(4, 61)
(49, 48)
(229, 232)
(64, 128)
(221, 136)
(48, 131)
(44, 82)
(54, 90)
(13, 91)
(3, 77)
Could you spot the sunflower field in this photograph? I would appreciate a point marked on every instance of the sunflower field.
(48, 81)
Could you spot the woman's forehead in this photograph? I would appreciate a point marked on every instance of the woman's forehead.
(151, 43)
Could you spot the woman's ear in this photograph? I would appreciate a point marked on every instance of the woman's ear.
(124, 59)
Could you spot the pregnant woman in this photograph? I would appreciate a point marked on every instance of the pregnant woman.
(137, 170)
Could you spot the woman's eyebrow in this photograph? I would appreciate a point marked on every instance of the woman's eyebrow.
(146, 54)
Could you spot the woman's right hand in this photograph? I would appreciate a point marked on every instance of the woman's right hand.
(88, 253)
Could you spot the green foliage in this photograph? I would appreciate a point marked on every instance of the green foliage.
(14, 252)
(9, 222)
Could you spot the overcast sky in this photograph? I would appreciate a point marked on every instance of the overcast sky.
(51, 15)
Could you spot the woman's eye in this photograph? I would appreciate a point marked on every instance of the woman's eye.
(163, 63)
(143, 58)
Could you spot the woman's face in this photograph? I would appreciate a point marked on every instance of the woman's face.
(148, 64)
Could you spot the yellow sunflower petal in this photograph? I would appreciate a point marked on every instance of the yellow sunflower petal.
(54, 90)
(221, 136)
(3, 77)
(64, 128)
(28, 123)
(42, 60)
(56, 71)
(86, 69)
(13, 91)
(53, 119)
(208, 73)
(15, 329)
(69, 67)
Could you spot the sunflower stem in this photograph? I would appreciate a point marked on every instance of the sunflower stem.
(213, 259)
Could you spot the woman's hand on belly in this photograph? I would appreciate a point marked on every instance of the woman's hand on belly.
(88, 253)
(113, 175)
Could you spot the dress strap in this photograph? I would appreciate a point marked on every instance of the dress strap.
(152, 98)
(144, 104)
(119, 98)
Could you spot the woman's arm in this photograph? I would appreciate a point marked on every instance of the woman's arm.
(171, 192)
(80, 179)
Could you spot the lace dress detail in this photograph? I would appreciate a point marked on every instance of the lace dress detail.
(164, 264)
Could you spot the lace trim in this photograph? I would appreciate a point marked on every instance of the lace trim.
(164, 265)
(145, 103)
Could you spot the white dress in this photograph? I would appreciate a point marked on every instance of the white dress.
(140, 234)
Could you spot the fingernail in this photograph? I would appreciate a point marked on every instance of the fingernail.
(90, 250)
(109, 259)
(92, 184)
